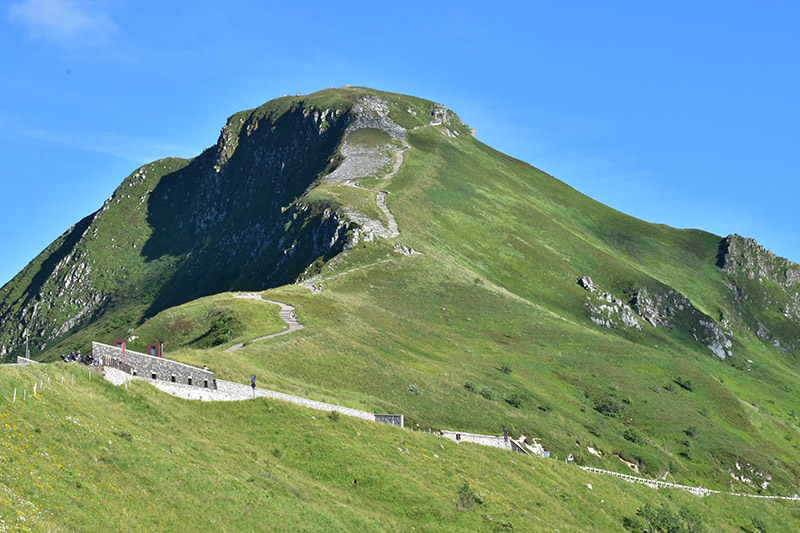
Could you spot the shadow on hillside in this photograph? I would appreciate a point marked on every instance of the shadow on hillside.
(221, 225)
(722, 251)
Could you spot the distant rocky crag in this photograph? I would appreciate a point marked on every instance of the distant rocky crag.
(766, 296)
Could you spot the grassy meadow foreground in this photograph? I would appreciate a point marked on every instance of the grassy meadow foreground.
(89, 456)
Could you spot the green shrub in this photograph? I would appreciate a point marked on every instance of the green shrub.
(225, 326)
(470, 386)
(610, 406)
(687, 452)
(662, 520)
(487, 393)
(634, 435)
(757, 526)
(685, 384)
(596, 430)
(467, 497)
(516, 400)
(505, 369)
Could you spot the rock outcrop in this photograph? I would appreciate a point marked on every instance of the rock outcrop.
(586, 283)
(764, 286)
(607, 310)
(744, 256)
(670, 310)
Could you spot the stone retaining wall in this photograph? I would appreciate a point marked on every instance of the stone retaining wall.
(485, 440)
(247, 392)
(395, 420)
(155, 368)
(229, 391)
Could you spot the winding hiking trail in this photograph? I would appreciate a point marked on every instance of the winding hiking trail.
(380, 199)
(286, 313)
(315, 284)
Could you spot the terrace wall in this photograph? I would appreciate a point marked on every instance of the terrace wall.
(158, 368)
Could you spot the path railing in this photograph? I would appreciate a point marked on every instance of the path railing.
(656, 483)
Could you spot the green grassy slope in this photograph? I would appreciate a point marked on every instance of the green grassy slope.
(88, 456)
(504, 245)
(488, 324)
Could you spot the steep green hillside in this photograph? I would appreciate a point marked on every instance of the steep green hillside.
(88, 456)
(677, 357)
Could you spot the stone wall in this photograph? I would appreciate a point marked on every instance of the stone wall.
(484, 440)
(395, 420)
(229, 391)
(246, 391)
(156, 368)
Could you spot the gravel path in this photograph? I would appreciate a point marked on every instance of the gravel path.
(286, 313)
(229, 391)
(381, 195)
(381, 198)
(314, 284)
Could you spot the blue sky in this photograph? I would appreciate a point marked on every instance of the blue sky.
(683, 113)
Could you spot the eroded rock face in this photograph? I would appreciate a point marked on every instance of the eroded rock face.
(763, 302)
(361, 161)
(761, 280)
(673, 309)
(718, 341)
(741, 255)
(609, 311)
(669, 309)
(658, 309)
(586, 283)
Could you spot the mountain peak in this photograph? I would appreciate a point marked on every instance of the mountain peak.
(250, 212)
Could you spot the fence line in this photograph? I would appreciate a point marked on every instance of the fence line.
(656, 483)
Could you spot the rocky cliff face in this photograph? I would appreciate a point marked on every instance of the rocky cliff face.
(766, 290)
(741, 256)
(671, 309)
(668, 309)
(55, 284)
